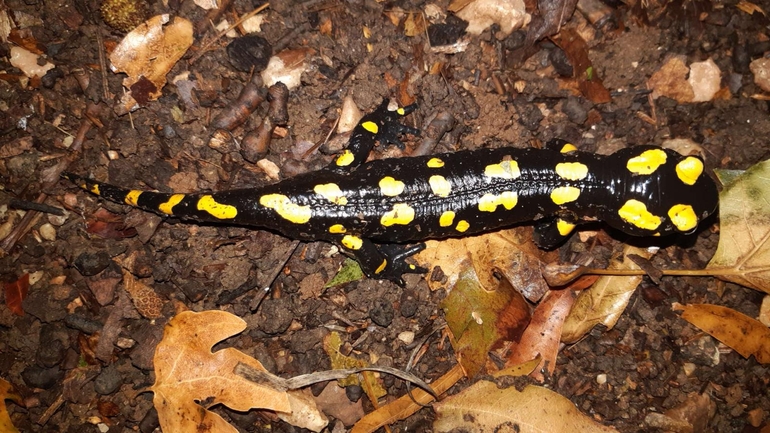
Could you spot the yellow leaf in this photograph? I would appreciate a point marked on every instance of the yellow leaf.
(605, 301)
(7, 393)
(479, 318)
(484, 407)
(742, 333)
(743, 254)
(187, 371)
(371, 385)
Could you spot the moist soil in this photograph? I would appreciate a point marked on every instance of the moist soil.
(78, 315)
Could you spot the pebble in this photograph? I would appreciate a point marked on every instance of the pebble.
(382, 313)
(108, 381)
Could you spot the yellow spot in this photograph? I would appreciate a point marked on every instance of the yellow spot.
(435, 163)
(509, 199)
(564, 227)
(689, 170)
(400, 111)
(345, 159)
(132, 197)
(568, 148)
(168, 207)
(462, 226)
(285, 208)
(446, 219)
(95, 189)
(331, 192)
(565, 194)
(217, 210)
(572, 170)
(505, 170)
(370, 126)
(489, 202)
(440, 186)
(402, 214)
(337, 229)
(391, 187)
(352, 242)
(635, 213)
(647, 162)
(683, 217)
(382, 266)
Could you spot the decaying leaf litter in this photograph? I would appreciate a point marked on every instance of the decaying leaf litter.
(76, 314)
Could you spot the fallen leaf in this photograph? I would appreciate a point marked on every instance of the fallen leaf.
(576, 49)
(483, 407)
(407, 405)
(334, 402)
(480, 318)
(508, 252)
(691, 415)
(743, 334)
(518, 370)
(743, 253)
(671, 81)
(15, 292)
(187, 371)
(147, 54)
(509, 15)
(371, 385)
(543, 335)
(148, 303)
(7, 393)
(605, 301)
(350, 271)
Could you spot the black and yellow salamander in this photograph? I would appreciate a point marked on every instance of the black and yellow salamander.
(370, 209)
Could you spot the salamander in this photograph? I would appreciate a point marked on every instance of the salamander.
(372, 210)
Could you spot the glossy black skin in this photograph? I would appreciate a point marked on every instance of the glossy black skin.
(607, 186)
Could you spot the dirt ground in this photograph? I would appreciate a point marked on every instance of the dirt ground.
(77, 313)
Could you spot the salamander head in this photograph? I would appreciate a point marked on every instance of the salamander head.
(666, 193)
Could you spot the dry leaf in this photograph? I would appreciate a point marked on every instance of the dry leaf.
(509, 252)
(671, 81)
(148, 303)
(605, 301)
(588, 80)
(371, 385)
(743, 254)
(510, 15)
(543, 335)
(484, 408)
(15, 292)
(7, 393)
(743, 334)
(187, 371)
(406, 406)
(692, 415)
(147, 54)
(480, 318)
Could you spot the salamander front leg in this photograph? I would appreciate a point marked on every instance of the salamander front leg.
(383, 262)
(380, 125)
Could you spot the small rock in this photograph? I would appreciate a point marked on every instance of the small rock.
(575, 110)
(44, 378)
(90, 264)
(407, 337)
(277, 316)
(47, 232)
(382, 312)
(108, 381)
(761, 70)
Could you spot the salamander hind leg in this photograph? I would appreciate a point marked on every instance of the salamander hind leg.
(552, 232)
(383, 262)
